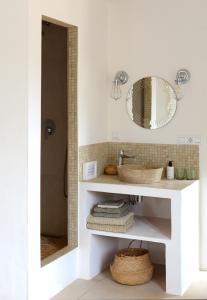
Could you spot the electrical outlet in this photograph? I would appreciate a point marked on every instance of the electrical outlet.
(197, 140)
(189, 140)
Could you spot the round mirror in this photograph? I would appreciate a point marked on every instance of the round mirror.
(151, 102)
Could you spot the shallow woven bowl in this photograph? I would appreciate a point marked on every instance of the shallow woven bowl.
(137, 174)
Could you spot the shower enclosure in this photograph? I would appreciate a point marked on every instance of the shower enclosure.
(54, 139)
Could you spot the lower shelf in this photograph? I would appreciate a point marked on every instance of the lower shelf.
(147, 229)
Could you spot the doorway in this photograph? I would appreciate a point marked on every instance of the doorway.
(58, 140)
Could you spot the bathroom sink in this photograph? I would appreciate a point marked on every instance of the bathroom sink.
(137, 174)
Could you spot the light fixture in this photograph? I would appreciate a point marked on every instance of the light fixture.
(120, 78)
(182, 77)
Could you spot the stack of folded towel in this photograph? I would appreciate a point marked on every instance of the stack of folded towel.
(111, 216)
(111, 209)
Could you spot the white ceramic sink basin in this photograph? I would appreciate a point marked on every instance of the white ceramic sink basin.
(137, 174)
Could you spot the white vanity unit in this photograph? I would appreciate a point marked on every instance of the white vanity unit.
(178, 230)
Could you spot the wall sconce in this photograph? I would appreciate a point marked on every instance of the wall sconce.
(182, 77)
(120, 78)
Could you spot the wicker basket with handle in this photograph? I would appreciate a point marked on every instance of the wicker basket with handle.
(132, 266)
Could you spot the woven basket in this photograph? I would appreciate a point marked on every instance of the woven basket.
(132, 266)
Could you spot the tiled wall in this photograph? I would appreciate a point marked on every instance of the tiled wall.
(72, 139)
(150, 155)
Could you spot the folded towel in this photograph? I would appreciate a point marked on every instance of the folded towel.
(109, 215)
(111, 204)
(111, 228)
(111, 221)
(111, 210)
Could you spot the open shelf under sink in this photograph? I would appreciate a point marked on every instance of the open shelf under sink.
(145, 228)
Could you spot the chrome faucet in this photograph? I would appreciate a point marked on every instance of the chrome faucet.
(122, 156)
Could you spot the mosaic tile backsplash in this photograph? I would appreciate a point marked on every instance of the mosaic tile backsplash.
(72, 138)
(148, 155)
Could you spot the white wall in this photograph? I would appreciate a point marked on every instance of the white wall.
(159, 37)
(13, 150)
(91, 18)
(144, 37)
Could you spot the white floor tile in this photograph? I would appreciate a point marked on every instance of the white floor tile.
(103, 287)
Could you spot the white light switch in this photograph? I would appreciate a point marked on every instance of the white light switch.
(181, 140)
(115, 136)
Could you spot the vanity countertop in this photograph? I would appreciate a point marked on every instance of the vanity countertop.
(176, 185)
